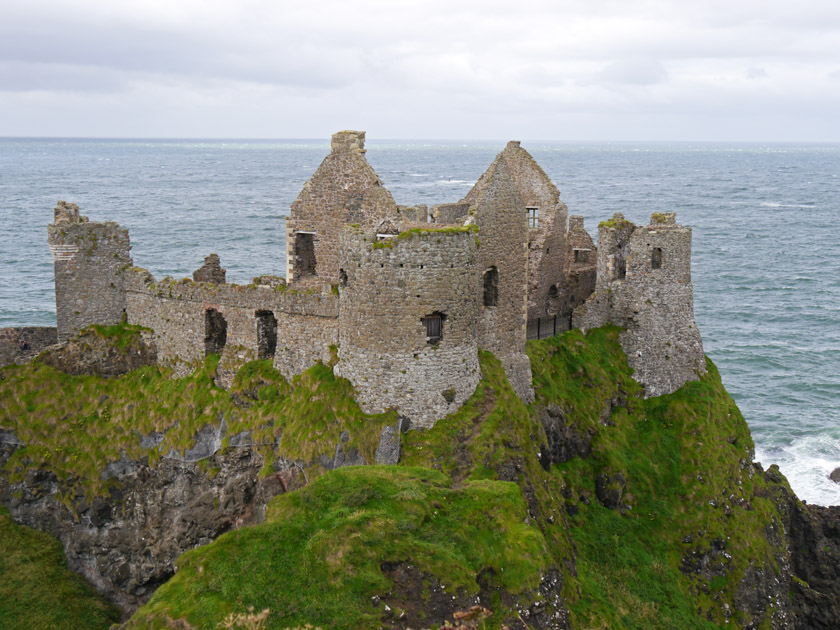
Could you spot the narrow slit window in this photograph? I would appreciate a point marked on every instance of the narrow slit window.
(491, 287)
(656, 258)
(434, 327)
(533, 217)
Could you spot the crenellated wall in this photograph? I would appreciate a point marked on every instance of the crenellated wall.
(307, 322)
(390, 287)
(90, 261)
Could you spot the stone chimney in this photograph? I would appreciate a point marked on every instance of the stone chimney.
(348, 142)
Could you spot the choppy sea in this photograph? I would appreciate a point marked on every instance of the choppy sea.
(766, 220)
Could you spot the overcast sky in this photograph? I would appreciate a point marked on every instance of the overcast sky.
(437, 69)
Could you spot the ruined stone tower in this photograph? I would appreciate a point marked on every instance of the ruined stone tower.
(409, 307)
(644, 286)
(90, 264)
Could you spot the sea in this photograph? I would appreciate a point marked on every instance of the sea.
(765, 219)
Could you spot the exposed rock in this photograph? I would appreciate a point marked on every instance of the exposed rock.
(388, 450)
(565, 441)
(610, 488)
(835, 475)
(126, 543)
(93, 353)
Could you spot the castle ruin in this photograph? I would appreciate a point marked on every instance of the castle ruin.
(406, 296)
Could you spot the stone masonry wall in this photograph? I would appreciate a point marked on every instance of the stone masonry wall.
(37, 338)
(344, 190)
(307, 322)
(383, 349)
(90, 260)
(503, 229)
(654, 303)
(582, 256)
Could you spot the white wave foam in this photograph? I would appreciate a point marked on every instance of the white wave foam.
(807, 462)
(771, 204)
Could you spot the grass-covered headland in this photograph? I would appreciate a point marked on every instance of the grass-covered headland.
(593, 502)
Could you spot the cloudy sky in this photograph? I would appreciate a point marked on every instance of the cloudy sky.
(433, 69)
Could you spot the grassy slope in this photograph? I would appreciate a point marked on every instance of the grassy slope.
(37, 590)
(685, 457)
(76, 425)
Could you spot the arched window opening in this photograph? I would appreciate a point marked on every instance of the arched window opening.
(491, 287)
(266, 334)
(215, 332)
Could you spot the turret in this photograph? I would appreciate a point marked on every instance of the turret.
(90, 260)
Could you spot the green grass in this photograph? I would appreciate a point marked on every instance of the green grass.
(470, 497)
(37, 589)
(317, 557)
(76, 425)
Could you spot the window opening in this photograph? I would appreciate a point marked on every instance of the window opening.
(533, 217)
(266, 334)
(491, 287)
(304, 254)
(434, 327)
(656, 258)
(342, 277)
(582, 255)
(215, 332)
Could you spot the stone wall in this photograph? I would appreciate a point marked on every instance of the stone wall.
(581, 275)
(90, 260)
(344, 190)
(36, 338)
(307, 322)
(653, 301)
(390, 287)
(503, 230)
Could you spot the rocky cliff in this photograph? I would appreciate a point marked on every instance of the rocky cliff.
(591, 507)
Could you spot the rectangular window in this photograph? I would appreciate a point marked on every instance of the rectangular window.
(434, 327)
(656, 258)
(582, 255)
(533, 217)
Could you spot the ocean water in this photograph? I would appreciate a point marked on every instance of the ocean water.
(766, 262)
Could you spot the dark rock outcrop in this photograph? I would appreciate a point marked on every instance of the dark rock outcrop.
(93, 353)
(126, 543)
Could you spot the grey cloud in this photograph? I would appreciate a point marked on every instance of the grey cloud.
(633, 72)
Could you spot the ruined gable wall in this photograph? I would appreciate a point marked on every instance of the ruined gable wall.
(90, 259)
(503, 230)
(383, 347)
(307, 323)
(344, 189)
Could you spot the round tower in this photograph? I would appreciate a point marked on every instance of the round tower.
(409, 307)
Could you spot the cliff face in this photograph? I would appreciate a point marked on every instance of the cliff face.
(591, 507)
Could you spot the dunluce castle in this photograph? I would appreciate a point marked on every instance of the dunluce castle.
(407, 295)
